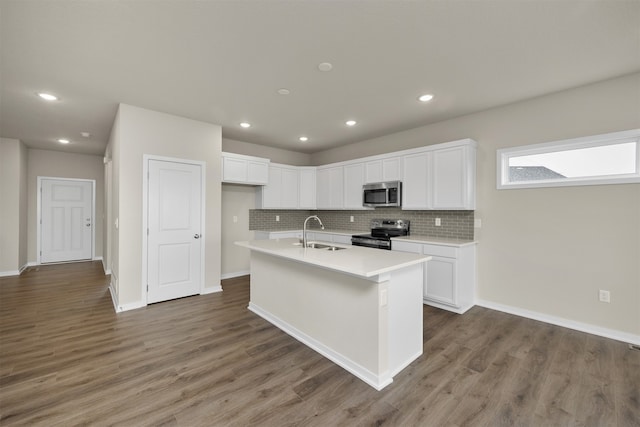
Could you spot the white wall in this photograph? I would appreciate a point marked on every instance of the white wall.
(63, 165)
(547, 250)
(276, 155)
(137, 132)
(236, 201)
(13, 206)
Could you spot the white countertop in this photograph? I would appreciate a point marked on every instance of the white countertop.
(355, 260)
(443, 241)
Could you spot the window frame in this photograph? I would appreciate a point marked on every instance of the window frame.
(503, 156)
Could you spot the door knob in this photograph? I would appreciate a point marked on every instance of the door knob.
(196, 236)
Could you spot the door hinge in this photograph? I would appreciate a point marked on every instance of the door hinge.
(147, 231)
(147, 288)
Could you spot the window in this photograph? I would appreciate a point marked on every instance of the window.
(612, 158)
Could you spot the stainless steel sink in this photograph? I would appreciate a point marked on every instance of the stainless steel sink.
(316, 245)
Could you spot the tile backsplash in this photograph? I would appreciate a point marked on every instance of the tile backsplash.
(454, 224)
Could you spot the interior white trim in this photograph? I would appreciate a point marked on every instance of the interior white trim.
(9, 273)
(375, 381)
(234, 274)
(211, 290)
(504, 154)
(39, 213)
(145, 220)
(565, 323)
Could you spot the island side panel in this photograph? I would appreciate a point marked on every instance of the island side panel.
(339, 311)
(405, 317)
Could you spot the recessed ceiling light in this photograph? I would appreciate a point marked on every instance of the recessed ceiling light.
(85, 134)
(284, 91)
(245, 125)
(303, 139)
(425, 98)
(47, 96)
(350, 122)
(325, 66)
(63, 141)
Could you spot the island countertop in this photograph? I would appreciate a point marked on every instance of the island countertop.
(354, 260)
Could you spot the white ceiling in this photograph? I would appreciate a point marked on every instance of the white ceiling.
(223, 62)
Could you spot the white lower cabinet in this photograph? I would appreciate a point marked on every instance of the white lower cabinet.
(450, 279)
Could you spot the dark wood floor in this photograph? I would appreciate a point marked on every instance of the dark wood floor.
(67, 359)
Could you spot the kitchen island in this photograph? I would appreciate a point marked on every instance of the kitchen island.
(359, 307)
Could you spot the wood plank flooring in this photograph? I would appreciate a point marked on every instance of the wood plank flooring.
(67, 359)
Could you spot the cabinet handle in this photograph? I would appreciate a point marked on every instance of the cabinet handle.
(196, 236)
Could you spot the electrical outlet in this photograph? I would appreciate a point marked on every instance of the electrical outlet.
(438, 222)
(477, 223)
(351, 218)
(604, 296)
(277, 218)
(235, 218)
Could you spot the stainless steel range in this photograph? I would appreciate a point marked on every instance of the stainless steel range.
(382, 230)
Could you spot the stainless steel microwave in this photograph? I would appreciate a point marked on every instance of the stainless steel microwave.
(382, 194)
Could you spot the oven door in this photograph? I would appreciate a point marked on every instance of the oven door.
(369, 242)
(375, 197)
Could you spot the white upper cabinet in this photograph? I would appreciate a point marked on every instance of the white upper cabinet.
(240, 169)
(441, 177)
(416, 181)
(282, 190)
(353, 181)
(454, 178)
(307, 188)
(330, 187)
(383, 169)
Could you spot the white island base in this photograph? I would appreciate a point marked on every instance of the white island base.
(370, 326)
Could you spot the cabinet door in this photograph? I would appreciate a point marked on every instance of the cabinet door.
(392, 169)
(234, 170)
(336, 188)
(289, 189)
(307, 188)
(450, 178)
(257, 172)
(440, 285)
(373, 171)
(272, 192)
(353, 181)
(323, 187)
(416, 193)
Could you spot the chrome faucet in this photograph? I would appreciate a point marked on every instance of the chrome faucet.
(304, 229)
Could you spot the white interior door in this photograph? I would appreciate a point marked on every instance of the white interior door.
(66, 214)
(174, 230)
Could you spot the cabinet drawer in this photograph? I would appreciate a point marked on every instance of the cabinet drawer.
(415, 248)
(437, 250)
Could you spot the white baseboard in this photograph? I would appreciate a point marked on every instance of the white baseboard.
(131, 306)
(9, 273)
(114, 298)
(14, 272)
(376, 381)
(107, 271)
(96, 258)
(211, 290)
(565, 323)
(235, 274)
